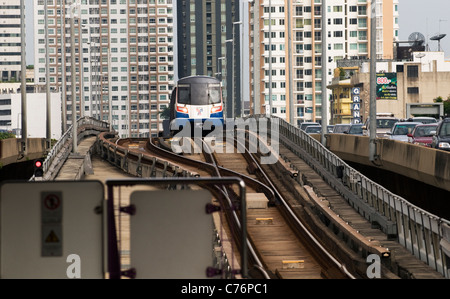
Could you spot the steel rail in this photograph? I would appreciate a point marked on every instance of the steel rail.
(213, 168)
(287, 207)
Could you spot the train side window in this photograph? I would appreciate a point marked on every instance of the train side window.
(184, 94)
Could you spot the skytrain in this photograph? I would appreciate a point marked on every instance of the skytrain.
(196, 106)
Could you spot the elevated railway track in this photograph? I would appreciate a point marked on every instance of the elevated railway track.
(295, 197)
(307, 192)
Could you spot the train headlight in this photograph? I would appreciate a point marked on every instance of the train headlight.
(216, 109)
(182, 109)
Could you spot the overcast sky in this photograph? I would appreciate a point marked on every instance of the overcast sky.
(428, 17)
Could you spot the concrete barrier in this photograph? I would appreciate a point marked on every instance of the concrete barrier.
(10, 153)
(421, 163)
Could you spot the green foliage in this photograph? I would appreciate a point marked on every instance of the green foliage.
(447, 107)
(165, 113)
(6, 135)
(446, 103)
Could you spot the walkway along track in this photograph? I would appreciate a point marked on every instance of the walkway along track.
(287, 263)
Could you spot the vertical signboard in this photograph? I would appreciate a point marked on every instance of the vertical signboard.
(386, 86)
(356, 105)
(51, 223)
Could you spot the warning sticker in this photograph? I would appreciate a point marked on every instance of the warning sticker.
(51, 207)
(52, 240)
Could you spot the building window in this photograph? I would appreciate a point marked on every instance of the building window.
(413, 90)
(413, 71)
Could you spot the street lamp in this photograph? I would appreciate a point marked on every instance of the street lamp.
(219, 63)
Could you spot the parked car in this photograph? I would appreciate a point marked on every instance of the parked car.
(385, 122)
(355, 129)
(304, 125)
(423, 119)
(400, 130)
(441, 140)
(330, 128)
(423, 134)
(313, 129)
(341, 128)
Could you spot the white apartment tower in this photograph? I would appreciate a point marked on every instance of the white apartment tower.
(10, 40)
(123, 59)
(273, 60)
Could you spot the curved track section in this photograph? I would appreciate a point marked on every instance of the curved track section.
(278, 240)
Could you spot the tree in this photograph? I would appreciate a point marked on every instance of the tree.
(165, 113)
(447, 106)
(446, 103)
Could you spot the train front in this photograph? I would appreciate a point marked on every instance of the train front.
(198, 107)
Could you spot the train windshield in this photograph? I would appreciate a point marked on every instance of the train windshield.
(184, 94)
(199, 94)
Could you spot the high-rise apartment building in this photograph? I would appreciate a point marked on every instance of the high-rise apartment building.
(209, 39)
(10, 40)
(123, 59)
(289, 76)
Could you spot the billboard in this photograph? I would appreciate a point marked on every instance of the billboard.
(386, 86)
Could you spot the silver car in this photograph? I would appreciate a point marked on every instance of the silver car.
(400, 130)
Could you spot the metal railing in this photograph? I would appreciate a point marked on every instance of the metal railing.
(419, 231)
(61, 143)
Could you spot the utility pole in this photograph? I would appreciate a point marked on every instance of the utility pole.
(23, 88)
(290, 57)
(270, 61)
(324, 75)
(256, 59)
(373, 86)
(234, 103)
(63, 69)
(73, 77)
(47, 83)
(110, 96)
